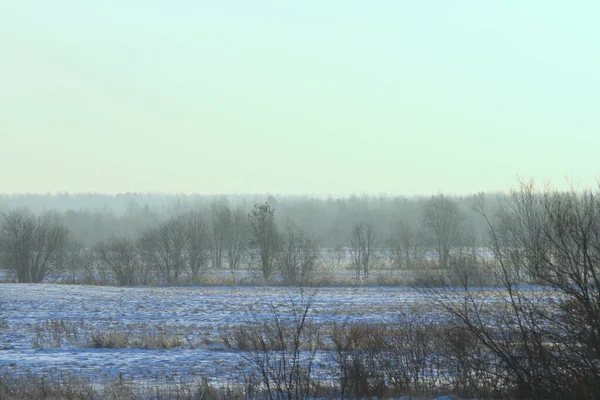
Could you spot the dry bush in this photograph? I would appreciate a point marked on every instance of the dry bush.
(407, 357)
(109, 340)
(73, 387)
(266, 336)
(355, 345)
(121, 340)
(39, 387)
(386, 279)
(386, 359)
(473, 369)
(539, 342)
(3, 321)
(280, 351)
(158, 341)
(462, 270)
(54, 333)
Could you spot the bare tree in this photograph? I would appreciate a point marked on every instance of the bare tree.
(219, 221)
(120, 257)
(78, 262)
(32, 246)
(364, 239)
(521, 219)
(298, 257)
(163, 248)
(236, 244)
(404, 246)
(333, 260)
(265, 239)
(545, 339)
(443, 223)
(197, 248)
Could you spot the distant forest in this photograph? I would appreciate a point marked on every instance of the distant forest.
(141, 239)
(91, 218)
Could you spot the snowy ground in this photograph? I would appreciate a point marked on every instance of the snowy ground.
(197, 315)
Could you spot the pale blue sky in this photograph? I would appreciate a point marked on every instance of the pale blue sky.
(311, 97)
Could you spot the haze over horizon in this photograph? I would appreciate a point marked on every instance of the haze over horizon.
(320, 98)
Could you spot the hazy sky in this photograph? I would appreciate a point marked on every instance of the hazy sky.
(305, 97)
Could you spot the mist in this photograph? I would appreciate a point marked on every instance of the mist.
(299, 200)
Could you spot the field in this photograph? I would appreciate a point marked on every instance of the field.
(195, 316)
(171, 335)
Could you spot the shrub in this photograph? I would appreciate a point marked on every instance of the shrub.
(274, 351)
(54, 333)
(121, 340)
(68, 386)
(110, 340)
(409, 356)
(39, 387)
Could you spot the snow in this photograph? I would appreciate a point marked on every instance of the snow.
(198, 315)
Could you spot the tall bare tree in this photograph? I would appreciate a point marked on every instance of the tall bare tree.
(78, 261)
(521, 219)
(163, 248)
(364, 239)
(265, 238)
(298, 257)
(443, 223)
(197, 248)
(236, 244)
(544, 338)
(120, 257)
(32, 246)
(404, 246)
(219, 221)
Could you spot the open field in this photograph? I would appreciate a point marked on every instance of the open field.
(197, 316)
(160, 334)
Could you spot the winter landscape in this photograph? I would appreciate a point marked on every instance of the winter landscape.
(208, 301)
(311, 200)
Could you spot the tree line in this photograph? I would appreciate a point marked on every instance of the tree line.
(220, 238)
(510, 340)
(94, 217)
(514, 340)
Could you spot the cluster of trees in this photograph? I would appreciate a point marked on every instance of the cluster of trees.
(511, 340)
(442, 232)
(185, 246)
(92, 218)
(33, 247)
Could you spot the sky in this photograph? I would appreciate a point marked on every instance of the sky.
(313, 97)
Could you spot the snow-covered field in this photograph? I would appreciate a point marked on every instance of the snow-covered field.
(196, 315)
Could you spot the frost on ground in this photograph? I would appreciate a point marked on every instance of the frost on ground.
(197, 316)
(165, 333)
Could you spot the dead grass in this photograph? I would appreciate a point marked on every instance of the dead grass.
(72, 387)
(122, 340)
(54, 333)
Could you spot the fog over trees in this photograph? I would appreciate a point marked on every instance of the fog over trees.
(31, 246)
(536, 253)
(143, 239)
(91, 217)
(299, 200)
(137, 239)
